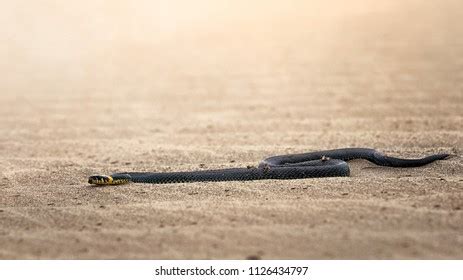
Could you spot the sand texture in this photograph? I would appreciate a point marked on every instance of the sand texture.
(92, 87)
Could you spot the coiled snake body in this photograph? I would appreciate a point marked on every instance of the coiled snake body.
(330, 163)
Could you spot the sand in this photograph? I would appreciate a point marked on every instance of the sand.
(91, 90)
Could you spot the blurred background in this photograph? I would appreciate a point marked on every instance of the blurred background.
(180, 57)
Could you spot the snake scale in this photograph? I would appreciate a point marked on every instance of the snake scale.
(330, 163)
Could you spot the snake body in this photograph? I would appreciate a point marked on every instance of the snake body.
(329, 163)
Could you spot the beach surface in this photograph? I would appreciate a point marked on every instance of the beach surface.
(91, 87)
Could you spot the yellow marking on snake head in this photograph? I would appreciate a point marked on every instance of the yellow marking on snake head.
(104, 180)
(100, 180)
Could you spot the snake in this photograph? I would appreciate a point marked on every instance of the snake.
(328, 163)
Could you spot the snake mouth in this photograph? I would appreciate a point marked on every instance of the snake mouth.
(100, 180)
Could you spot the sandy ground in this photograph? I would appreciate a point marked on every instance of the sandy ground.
(89, 89)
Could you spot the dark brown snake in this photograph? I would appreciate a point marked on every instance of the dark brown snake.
(330, 163)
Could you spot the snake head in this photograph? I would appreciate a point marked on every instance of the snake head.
(100, 180)
(104, 180)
